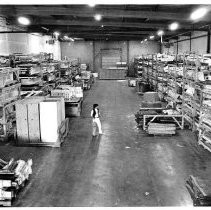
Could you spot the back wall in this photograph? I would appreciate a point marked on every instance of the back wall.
(89, 51)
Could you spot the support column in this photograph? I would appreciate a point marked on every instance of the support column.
(160, 50)
(93, 53)
(208, 40)
(128, 53)
(177, 45)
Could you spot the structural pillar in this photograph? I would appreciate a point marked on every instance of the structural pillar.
(208, 40)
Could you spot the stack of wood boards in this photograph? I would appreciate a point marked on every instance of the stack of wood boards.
(151, 100)
(200, 191)
(151, 97)
(159, 128)
(131, 82)
(38, 120)
(139, 115)
(13, 175)
(67, 92)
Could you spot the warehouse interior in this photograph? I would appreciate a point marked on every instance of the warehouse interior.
(148, 69)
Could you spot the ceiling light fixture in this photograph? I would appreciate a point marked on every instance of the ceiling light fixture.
(56, 33)
(102, 26)
(98, 17)
(160, 32)
(152, 37)
(24, 21)
(66, 37)
(145, 40)
(45, 28)
(71, 39)
(174, 26)
(91, 4)
(198, 13)
(142, 42)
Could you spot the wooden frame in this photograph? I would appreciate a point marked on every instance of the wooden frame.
(5, 117)
(181, 125)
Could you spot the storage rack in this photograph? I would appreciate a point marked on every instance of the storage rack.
(191, 102)
(179, 83)
(9, 93)
(138, 66)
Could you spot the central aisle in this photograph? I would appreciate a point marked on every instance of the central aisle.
(124, 167)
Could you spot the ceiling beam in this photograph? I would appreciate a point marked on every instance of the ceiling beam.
(146, 25)
(86, 12)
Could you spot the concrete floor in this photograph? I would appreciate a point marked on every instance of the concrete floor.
(124, 167)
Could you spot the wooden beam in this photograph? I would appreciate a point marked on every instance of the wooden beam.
(105, 23)
(106, 35)
(86, 12)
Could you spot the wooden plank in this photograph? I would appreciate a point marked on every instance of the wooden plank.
(22, 122)
(49, 121)
(34, 122)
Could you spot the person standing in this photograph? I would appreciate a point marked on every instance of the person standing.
(95, 114)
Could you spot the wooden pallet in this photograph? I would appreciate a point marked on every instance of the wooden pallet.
(6, 203)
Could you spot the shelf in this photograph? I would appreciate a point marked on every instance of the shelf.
(207, 139)
(205, 126)
(204, 145)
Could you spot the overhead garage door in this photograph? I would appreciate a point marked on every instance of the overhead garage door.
(109, 58)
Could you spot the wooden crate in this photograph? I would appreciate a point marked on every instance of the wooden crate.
(73, 109)
(10, 93)
(8, 76)
(37, 118)
(27, 120)
(7, 117)
(67, 92)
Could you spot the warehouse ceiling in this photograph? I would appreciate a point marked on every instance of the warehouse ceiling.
(119, 22)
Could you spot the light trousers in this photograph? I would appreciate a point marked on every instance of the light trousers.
(97, 121)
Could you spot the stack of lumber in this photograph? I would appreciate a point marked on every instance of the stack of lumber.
(13, 175)
(67, 92)
(139, 115)
(200, 191)
(151, 97)
(161, 129)
(151, 100)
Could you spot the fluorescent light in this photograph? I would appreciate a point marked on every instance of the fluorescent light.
(160, 32)
(98, 17)
(92, 4)
(145, 40)
(142, 42)
(24, 21)
(174, 26)
(56, 33)
(199, 13)
(152, 37)
(45, 28)
(65, 37)
(78, 39)
(71, 39)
